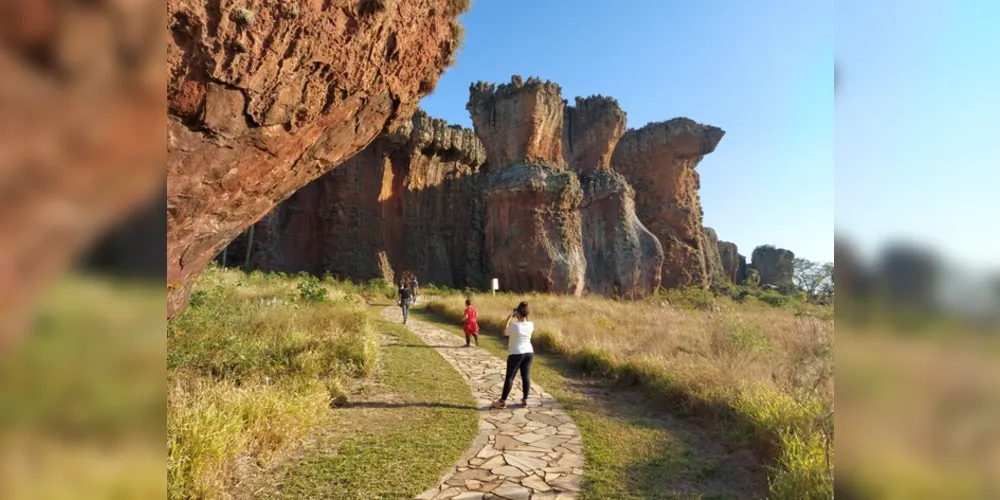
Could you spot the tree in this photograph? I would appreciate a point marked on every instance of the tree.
(814, 278)
(753, 278)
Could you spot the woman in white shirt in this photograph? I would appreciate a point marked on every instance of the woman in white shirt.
(518, 330)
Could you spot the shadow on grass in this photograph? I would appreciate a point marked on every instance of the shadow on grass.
(426, 346)
(641, 443)
(380, 404)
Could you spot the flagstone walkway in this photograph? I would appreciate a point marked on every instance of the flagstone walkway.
(532, 453)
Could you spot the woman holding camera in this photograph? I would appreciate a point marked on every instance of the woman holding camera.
(518, 330)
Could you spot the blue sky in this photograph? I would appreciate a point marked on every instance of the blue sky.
(917, 153)
(763, 71)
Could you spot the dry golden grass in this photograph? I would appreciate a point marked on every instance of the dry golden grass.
(765, 371)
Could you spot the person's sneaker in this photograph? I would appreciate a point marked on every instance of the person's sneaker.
(498, 404)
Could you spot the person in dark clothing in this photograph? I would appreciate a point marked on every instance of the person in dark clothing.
(404, 300)
(413, 288)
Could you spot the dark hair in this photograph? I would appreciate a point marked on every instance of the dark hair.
(468, 302)
(522, 309)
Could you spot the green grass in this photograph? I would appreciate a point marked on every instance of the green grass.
(398, 455)
(284, 387)
(82, 399)
(785, 431)
(630, 452)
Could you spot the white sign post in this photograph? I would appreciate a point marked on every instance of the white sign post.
(496, 285)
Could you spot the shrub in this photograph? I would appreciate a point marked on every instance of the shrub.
(775, 299)
(243, 17)
(691, 297)
(197, 298)
(311, 290)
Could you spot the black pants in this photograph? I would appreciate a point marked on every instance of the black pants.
(517, 362)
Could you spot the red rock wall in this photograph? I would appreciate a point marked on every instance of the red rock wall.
(623, 258)
(659, 161)
(81, 136)
(409, 202)
(734, 265)
(265, 97)
(532, 224)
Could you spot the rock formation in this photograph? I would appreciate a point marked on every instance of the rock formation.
(266, 96)
(713, 261)
(659, 161)
(408, 202)
(734, 265)
(623, 258)
(81, 136)
(774, 265)
(532, 223)
(530, 198)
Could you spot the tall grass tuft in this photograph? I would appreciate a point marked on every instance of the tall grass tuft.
(253, 367)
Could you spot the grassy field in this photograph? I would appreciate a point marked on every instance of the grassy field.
(292, 387)
(633, 450)
(761, 373)
(82, 396)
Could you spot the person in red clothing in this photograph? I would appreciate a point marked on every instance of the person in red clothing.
(470, 323)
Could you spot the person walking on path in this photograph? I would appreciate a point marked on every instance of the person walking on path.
(518, 330)
(404, 301)
(413, 288)
(470, 323)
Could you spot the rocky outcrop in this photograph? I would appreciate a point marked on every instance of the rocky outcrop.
(734, 265)
(532, 222)
(623, 258)
(81, 136)
(408, 202)
(659, 161)
(264, 97)
(713, 261)
(774, 265)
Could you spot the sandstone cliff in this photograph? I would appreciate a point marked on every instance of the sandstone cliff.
(408, 202)
(81, 135)
(264, 97)
(713, 260)
(734, 265)
(532, 222)
(773, 264)
(623, 258)
(659, 161)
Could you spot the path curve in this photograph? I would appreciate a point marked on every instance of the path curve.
(520, 453)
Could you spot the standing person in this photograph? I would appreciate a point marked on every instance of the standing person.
(520, 353)
(470, 323)
(404, 301)
(413, 287)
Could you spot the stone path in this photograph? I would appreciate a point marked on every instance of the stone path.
(520, 453)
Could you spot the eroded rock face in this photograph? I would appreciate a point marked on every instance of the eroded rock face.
(713, 261)
(659, 161)
(408, 202)
(774, 265)
(81, 136)
(267, 96)
(623, 258)
(532, 223)
(734, 265)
